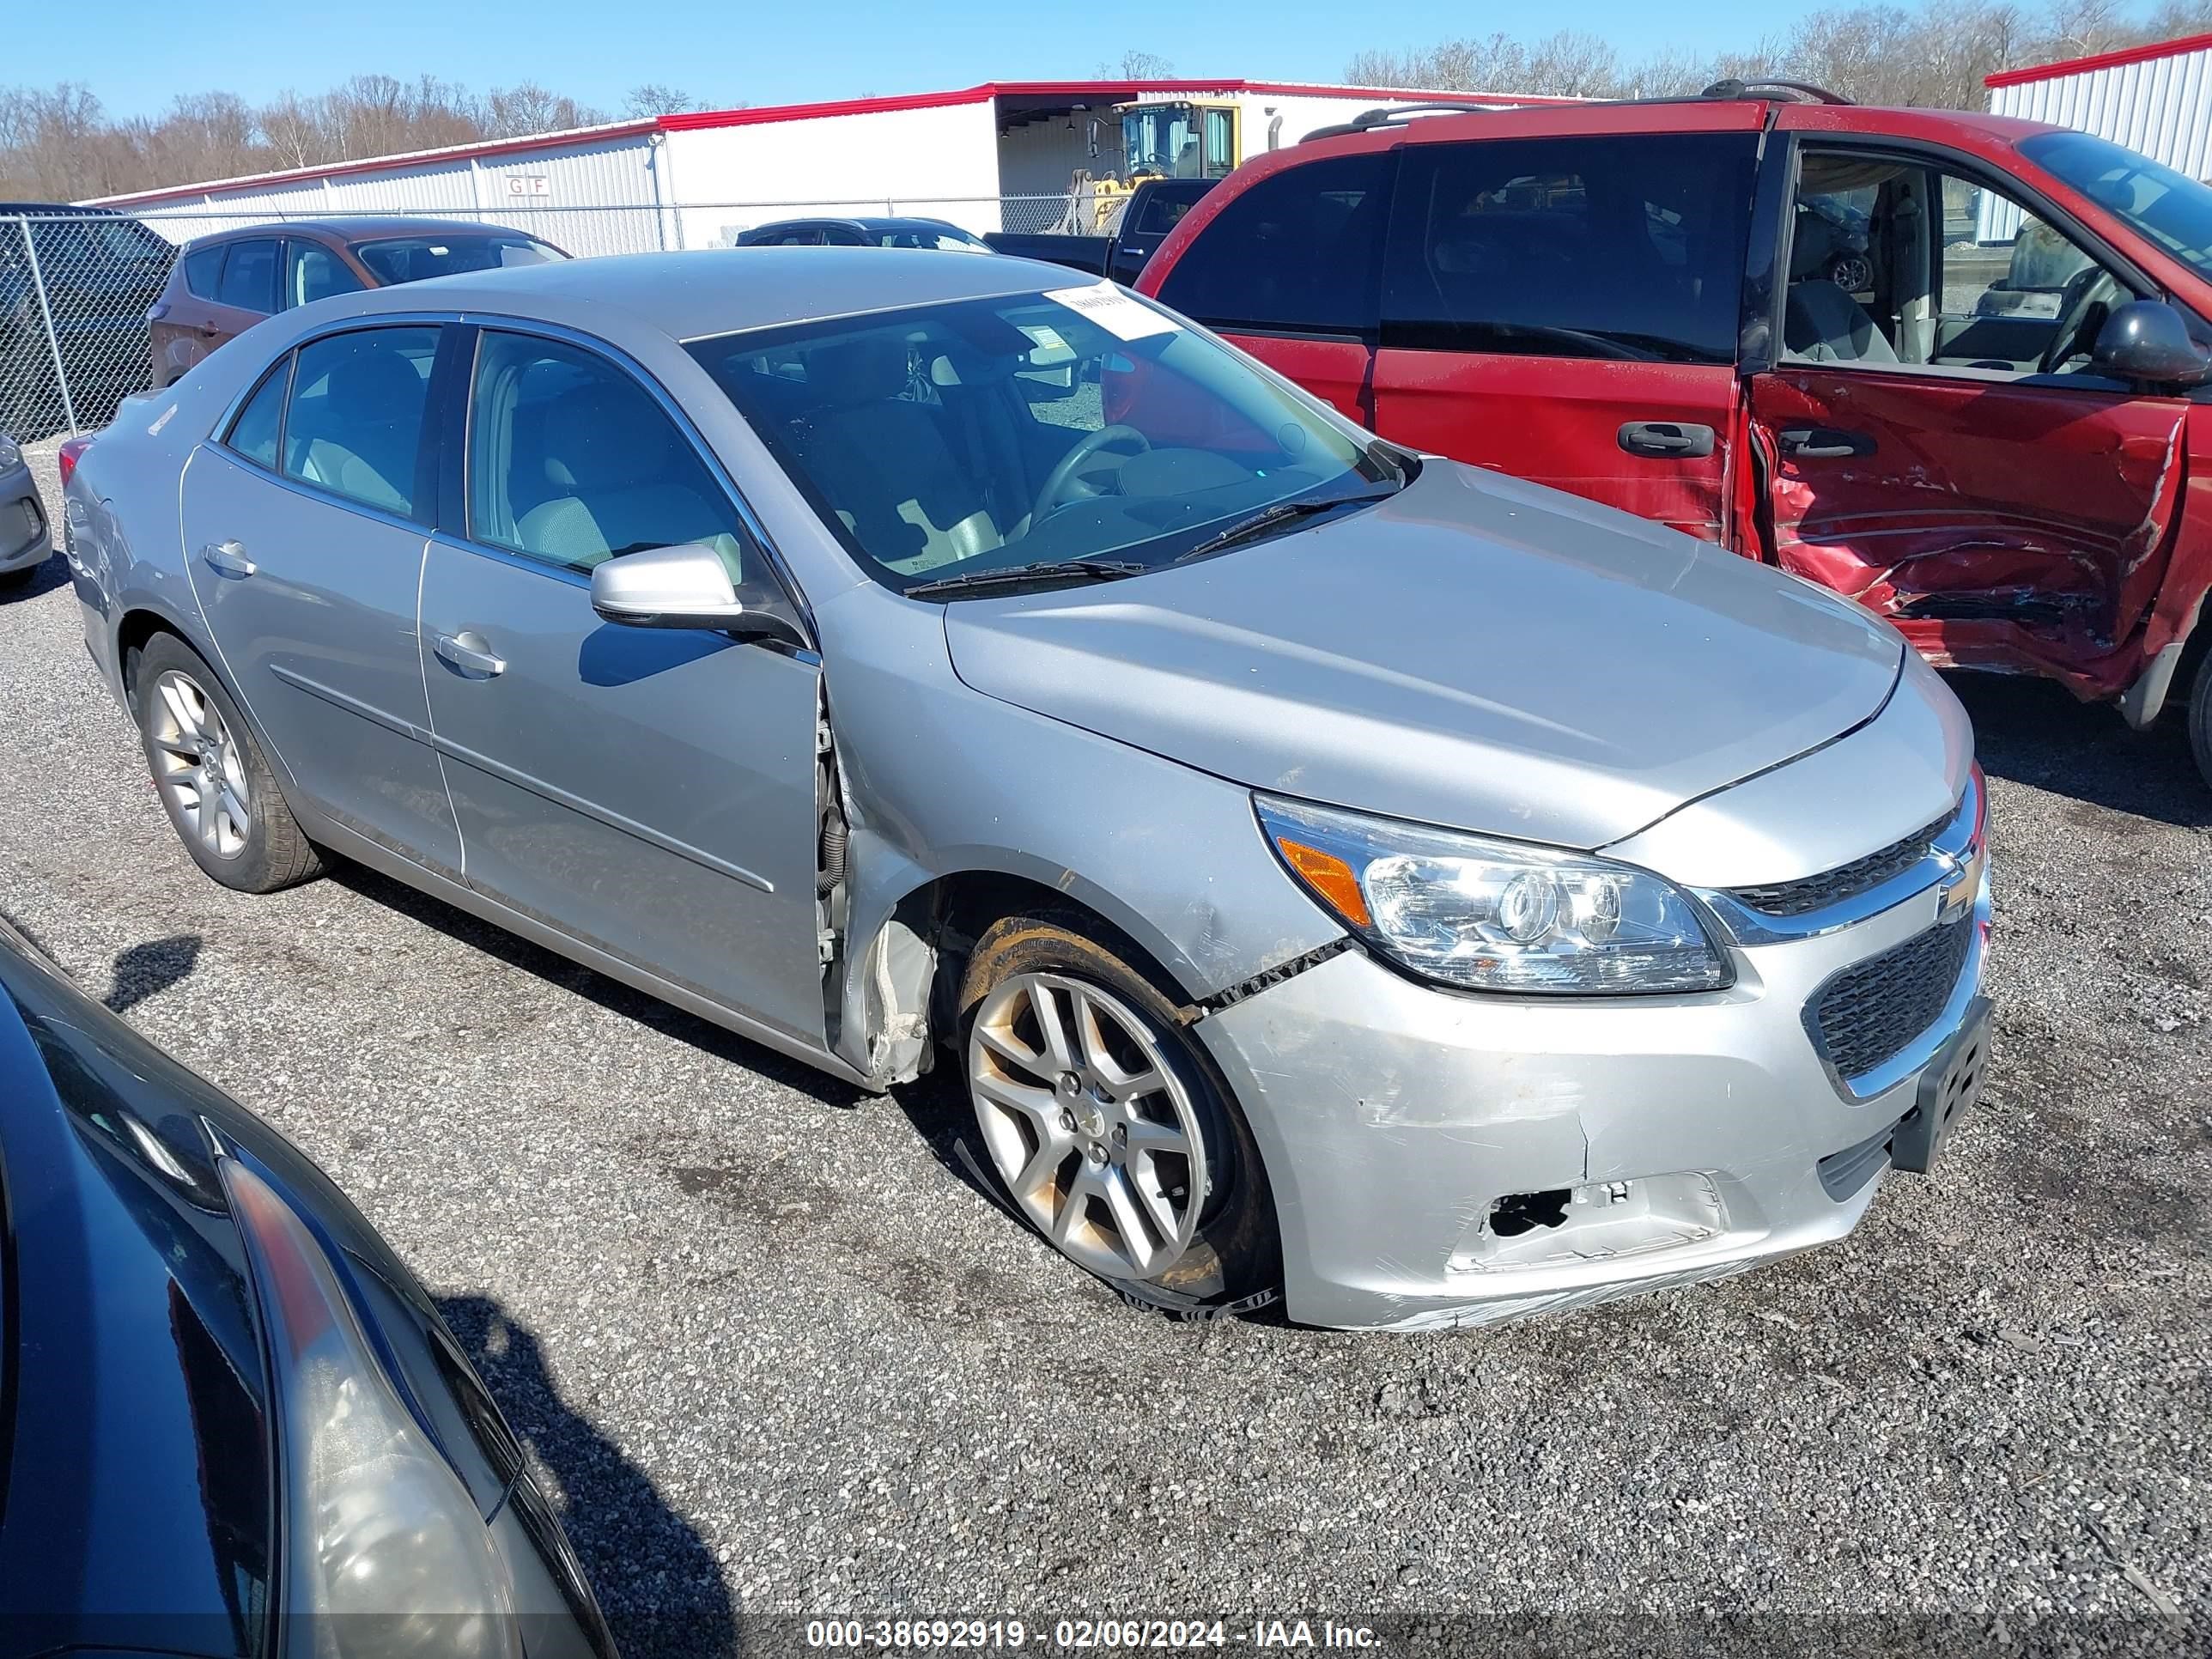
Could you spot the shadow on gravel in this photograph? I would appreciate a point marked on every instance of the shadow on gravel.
(2034, 732)
(147, 970)
(53, 573)
(659, 1584)
(610, 995)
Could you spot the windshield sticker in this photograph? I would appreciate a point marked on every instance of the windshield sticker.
(1114, 310)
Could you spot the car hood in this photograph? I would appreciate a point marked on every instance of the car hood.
(1474, 652)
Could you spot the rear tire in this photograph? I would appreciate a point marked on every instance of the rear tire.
(1108, 1128)
(215, 784)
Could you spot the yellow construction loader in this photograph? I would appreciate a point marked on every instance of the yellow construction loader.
(1161, 138)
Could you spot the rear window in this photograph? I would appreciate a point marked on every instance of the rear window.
(418, 258)
(249, 277)
(1607, 247)
(204, 270)
(1298, 252)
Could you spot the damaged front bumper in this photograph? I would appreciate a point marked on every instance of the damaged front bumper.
(1441, 1159)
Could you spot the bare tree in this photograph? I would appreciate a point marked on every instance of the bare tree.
(1137, 66)
(657, 98)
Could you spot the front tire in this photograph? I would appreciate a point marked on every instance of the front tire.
(215, 784)
(1106, 1125)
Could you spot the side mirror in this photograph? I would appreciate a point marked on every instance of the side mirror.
(2148, 340)
(686, 587)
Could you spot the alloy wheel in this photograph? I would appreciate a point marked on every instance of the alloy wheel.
(199, 765)
(1087, 1123)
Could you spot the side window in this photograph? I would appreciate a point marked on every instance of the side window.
(253, 433)
(1607, 247)
(1298, 252)
(354, 422)
(249, 277)
(204, 270)
(1896, 265)
(313, 272)
(1163, 211)
(573, 462)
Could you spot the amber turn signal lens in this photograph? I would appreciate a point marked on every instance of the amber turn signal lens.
(1329, 875)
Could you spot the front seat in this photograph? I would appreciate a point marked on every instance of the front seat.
(1820, 322)
(362, 435)
(885, 463)
(616, 473)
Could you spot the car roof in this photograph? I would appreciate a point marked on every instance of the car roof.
(349, 227)
(701, 293)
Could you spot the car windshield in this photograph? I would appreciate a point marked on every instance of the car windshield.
(2166, 208)
(397, 259)
(1082, 423)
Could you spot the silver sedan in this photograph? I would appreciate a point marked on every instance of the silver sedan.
(1339, 875)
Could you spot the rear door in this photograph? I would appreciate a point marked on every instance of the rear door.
(304, 531)
(1564, 308)
(1942, 450)
(1288, 269)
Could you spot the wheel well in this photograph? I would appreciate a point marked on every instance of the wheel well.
(954, 911)
(131, 636)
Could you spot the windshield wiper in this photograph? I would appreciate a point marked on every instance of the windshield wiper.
(1271, 518)
(975, 581)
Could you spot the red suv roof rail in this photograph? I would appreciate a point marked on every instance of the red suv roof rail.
(1801, 91)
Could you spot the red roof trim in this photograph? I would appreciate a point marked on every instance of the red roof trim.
(698, 120)
(2101, 60)
(569, 140)
(1120, 90)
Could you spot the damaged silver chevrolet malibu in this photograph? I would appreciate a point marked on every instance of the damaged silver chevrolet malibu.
(1336, 873)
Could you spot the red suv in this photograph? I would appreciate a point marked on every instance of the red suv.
(1951, 365)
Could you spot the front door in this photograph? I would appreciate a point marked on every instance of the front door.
(1565, 310)
(1939, 447)
(300, 534)
(650, 793)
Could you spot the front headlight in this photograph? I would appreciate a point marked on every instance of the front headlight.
(385, 1555)
(1495, 915)
(11, 457)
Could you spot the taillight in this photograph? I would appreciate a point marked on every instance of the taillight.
(70, 453)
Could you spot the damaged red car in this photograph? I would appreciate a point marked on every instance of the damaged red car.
(1954, 366)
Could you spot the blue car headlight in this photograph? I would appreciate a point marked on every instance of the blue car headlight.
(384, 1553)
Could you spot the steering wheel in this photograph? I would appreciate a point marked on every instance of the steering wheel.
(2078, 315)
(1061, 484)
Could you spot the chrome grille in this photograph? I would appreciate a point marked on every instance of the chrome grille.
(1869, 1015)
(1846, 881)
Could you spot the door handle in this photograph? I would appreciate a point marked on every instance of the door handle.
(1667, 441)
(1824, 443)
(470, 653)
(228, 557)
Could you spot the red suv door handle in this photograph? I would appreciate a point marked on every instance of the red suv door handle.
(1823, 443)
(1667, 441)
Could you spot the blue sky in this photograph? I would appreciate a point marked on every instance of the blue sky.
(136, 54)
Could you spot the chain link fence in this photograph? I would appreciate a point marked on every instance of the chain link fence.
(78, 289)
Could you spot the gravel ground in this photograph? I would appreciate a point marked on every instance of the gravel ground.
(779, 1358)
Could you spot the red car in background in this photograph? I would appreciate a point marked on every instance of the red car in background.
(1951, 365)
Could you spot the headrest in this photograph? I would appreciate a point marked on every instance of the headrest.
(1817, 242)
(597, 437)
(372, 383)
(869, 370)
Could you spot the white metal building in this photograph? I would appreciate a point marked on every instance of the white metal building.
(989, 157)
(2156, 100)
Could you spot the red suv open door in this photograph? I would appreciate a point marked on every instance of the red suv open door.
(1940, 446)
